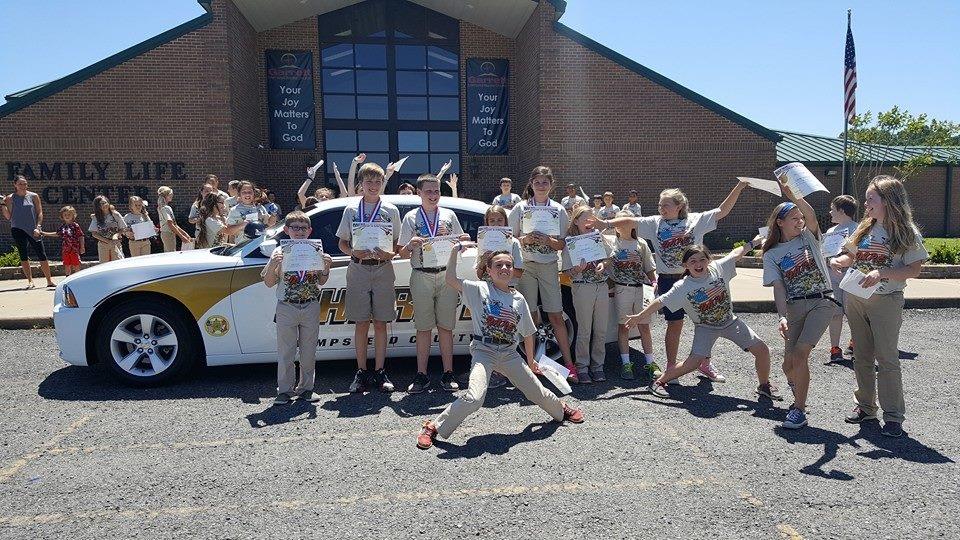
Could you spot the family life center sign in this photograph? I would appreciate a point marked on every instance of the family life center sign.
(487, 106)
(290, 100)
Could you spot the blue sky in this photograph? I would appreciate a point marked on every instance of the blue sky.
(777, 63)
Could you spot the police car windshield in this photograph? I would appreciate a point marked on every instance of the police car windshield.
(237, 248)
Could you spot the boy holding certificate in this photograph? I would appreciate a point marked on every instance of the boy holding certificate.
(427, 233)
(298, 282)
(369, 234)
(539, 222)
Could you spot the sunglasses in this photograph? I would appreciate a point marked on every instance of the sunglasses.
(298, 228)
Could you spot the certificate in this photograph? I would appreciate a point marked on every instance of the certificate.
(586, 247)
(494, 239)
(435, 252)
(302, 255)
(801, 181)
(143, 230)
(770, 186)
(253, 217)
(832, 244)
(372, 235)
(851, 284)
(555, 373)
(187, 246)
(542, 219)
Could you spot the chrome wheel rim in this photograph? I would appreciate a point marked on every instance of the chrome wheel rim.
(143, 345)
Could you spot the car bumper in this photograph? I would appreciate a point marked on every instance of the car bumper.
(71, 327)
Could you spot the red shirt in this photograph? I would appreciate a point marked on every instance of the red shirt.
(72, 236)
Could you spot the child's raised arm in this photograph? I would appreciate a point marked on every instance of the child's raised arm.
(727, 205)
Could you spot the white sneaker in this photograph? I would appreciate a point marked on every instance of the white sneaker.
(707, 370)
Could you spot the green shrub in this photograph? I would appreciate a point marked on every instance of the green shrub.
(739, 243)
(944, 253)
(10, 259)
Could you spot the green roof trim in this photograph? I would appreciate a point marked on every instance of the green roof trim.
(667, 83)
(818, 149)
(25, 98)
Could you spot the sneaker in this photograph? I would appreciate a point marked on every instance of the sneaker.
(583, 377)
(308, 395)
(849, 351)
(573, 376)
(420, 383)
(496, 380)
(858, 416)
(598, 376)
(448, 382)
(360, 380)
(626, 371)
(381, 381)
(282, 399)
(572, 415)
(796, 419)
(427, 435)
(653, 370)
(672, 382)
(707, 370)
(769, 391)
(836, 356)
(892, 429)
(658, 389)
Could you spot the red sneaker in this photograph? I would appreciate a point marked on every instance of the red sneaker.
(572, 415)
(427, 435)
(573, 377)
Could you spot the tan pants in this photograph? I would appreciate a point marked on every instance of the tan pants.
(298, 326)
(108, 251)
(434, 303)
(169, 240)
(507, 361)
(139, 247)
(875, 328)
(591, 302)
(540, 284)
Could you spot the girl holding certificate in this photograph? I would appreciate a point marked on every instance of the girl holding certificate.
(137, 214)
(212, 230)
(888, 248)
(591, 297)
(105, 226)
(843, 213)
(632, 271)
(248, 209)
(793, 264)
(672, 231)
(538, 222)
(169, 230)
(501, 320)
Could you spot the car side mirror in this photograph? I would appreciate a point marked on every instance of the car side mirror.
(267, 247)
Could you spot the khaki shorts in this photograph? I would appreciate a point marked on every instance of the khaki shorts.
(807, 320)
(370, 293)
(705, 336)
(629, 301)
(434, 304)
(540, 282)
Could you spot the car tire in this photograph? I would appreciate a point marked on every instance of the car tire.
(146, 343)
(545, 342)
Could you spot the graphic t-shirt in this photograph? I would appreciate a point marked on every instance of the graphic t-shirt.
(873, 253)
(132, 219)
(388, 213)
(72, 236)
(497, 314)
(296, 287)
(631, 262)
(414, 225)
(239, 212)
(799, 264)
(214, 230)
(846, 229)
(608, 212)
(590, 273)
(507, 201)
(166, 213)
(537, 253)
(571, 202)
(111, 224)
(633, 208)
(671, 237)
(706, 300)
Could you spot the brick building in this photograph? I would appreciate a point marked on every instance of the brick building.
(390, 78)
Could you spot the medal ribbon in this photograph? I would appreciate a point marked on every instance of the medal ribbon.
(373, 215)
(431, 228)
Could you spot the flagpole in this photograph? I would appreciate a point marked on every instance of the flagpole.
(846, 123)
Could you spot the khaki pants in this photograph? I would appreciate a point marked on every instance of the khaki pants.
(591, 302)
(875, 328)
(507, 361)
(434, 303)
(370, 292)
(540, 283)
(169, 240)
(108, 251)
(298, 326)
(139, 247)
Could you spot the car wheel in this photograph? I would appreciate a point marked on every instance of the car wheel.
(546, 341)
(146, 343)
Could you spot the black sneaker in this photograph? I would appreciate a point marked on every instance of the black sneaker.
(308, 395)
(497, 380)
(281, 399)
(360, 380)
(859, 415)
(381, 381)
(892, 429)
(448, 382)
(420, 383)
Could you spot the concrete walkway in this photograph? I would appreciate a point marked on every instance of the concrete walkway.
(22, 308)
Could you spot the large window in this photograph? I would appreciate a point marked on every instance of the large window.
(391, 87)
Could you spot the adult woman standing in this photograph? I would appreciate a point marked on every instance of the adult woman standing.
(25, 213)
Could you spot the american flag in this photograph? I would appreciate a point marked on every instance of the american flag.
(849, 76)
(503, 314)
(793, 259)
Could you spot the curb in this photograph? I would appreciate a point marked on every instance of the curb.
(927, 271)
(26, 323)
(56, 269)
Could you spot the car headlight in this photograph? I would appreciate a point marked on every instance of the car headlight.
(69, 300)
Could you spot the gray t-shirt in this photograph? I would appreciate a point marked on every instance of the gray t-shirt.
(295, 286)
(706, 300)
(571, 201)
(23, 213)
(536, 252)
(166, 214)
(387, 213)
(631, 262)
(240, 212)
(671, 237)
(112, 223)
(507, 201)
(214, 230)
(846, 230)
(608, 212)
(633, 208)
(873, 253)
(799, 264)
(131, 219)
(414, 225)
(497, 314)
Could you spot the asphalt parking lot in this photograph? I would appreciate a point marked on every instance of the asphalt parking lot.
(83, 457)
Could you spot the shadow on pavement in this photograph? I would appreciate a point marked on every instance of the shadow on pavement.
(495, 443)
(282, 414)
(698, 401)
